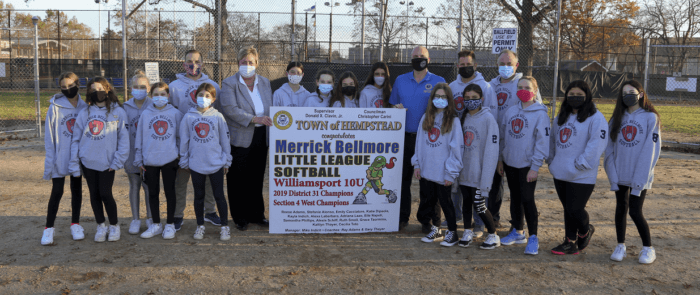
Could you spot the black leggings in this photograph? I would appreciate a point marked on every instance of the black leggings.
(432, 193)
(470, 198)
(152, 176)
(246, 179)
(522, 198)
(217, 187)
(100, 186)
(634, 204)
(574, 197)
(76, 190)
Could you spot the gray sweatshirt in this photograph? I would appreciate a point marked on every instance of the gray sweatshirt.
(372, 97)
(286, 97)
(314, 102)
(133, 113)
(349, 103)
(525, 136)
(575, 148)
(488, 101)
(183, 94)
(58, 127)
(100, 140)
(439, 156)
(157, 139)
(205, 146)
(505, 94)
(480, 156)
(630, 160)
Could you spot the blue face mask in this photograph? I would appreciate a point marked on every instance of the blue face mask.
(160, 101)
(472, 104)
(203, 102)
(506, 71)
(139, 94)
(325, 88)
(440, 103)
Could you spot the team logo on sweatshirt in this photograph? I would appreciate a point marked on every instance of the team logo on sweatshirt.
(468, 138)
(459, 104)
(502, 97)
(434, 134)
(160, 127)
(202, 129)
(378, 103)
(517, 124)
(69, 125)
(191, 92)
(69, 121)
(629, 131)
(566, 132)
(96, 126)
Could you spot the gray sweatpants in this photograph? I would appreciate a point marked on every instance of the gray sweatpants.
(181, 181)
(135, 184)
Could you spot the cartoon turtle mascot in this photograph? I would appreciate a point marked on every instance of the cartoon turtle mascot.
(374, 181)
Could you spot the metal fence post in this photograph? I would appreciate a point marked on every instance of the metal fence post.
(646, 66)
(362, 32)
(126, 91)
(556, 62)
(35, 20)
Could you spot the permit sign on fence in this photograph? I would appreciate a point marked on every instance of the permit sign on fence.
(335, 170)
(152, 71)
(505, 38)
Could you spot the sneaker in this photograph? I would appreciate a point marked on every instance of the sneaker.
(169, 232)
(533, 244)
(114, 233)
(212, 218)
(77, 231)
(582, 243)
(435, 234)
(514, 238)
(149, 221)
(178, 223)
(568, 247)
(478, 231)
(199, 233)
(135, 226)
(466, 238)
(619, 253)
(152, 231)
(492, 241)
(101, 234)
(47, 238)
(225, 233)
(450, 240)
(647, 256)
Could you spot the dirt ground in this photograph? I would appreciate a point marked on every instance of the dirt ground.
(258, 262)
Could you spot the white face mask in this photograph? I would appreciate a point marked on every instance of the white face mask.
(294, 79)
(203, 102)
(379, 81)
(325, 88)
(160, 101)
(440, 103)
(139, 94)
(506, 71)
(247, 71)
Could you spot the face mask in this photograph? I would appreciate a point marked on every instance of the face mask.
(193, 69)
(98, 96)
(472, 104)
(294, 79)
(160, 101)
(419, 64)
(349, 91)
(203, 102)
(506, 71)
(440, 103)
(325, 88)
(139, 94)
(524, 95)
(247, 71)
(379, 81)
(630, 99)
(576, 101)
(70, 92)
(466, 72)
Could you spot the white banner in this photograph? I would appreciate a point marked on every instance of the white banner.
(335, 170)
(505, 38)
(152, 72)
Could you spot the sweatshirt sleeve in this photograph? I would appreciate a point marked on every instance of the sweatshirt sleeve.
(225, 141)
(123, 143)
(552, 140)
(364, 100)
(648, 156)
(231, 111)
(74, 164)
(419, 147)
(138, 142)
(597, 140)
(453, 164)
(174, 91)
(609, 163)
(541, 151)
(277, 98)
(49, 143)
(490, 100)
(184, 132)
(178, 122)
(490, 157)
(501, 137)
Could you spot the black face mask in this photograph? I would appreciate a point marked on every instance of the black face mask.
(349, 91)
(576, 101)
(98, 96)
(419, 64)
(630, 99)
(467, 71)
(70, 92)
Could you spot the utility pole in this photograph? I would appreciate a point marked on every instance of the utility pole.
(381, 30)
(293, 26)
(124, 56)
(461, 25)
(362, 32)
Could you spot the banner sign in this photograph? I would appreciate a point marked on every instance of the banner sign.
(335, 170)
(505, 39)
(152, 71)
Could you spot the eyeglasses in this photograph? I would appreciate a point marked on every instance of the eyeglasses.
(441, 96)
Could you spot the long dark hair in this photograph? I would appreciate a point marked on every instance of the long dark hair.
(111, 93)
(448, 114)
(338, 95)
(588, 108)
(386, 87)
(620, 108)
(325, 71)
(295, 64)
(471, 87)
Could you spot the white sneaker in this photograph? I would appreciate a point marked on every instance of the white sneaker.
(169, 231)
(149, 221)
(647, 256)
(101, 234)
(135, 226)
(152, 231)
(492, 241)
(114, 233)
(619, 253)
(77, 231)
(199, 233)
(466, 238)
(225, 233)
(47, 238)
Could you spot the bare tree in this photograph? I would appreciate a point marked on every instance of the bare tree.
(480, 17)
(677, 22)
